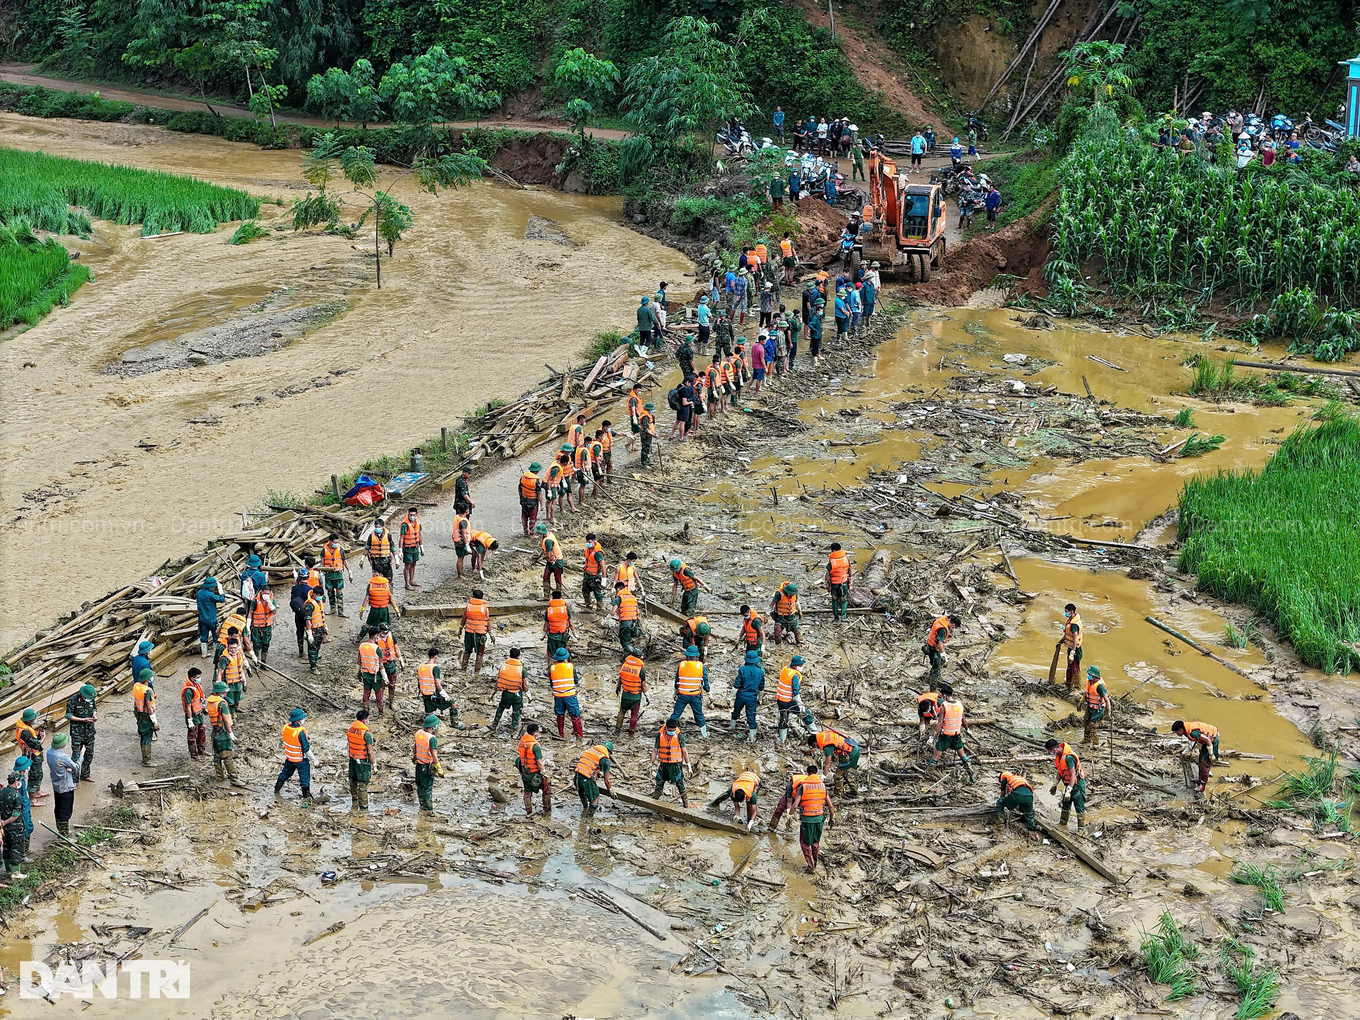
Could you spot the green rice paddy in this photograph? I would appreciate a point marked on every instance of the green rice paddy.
(35, 275)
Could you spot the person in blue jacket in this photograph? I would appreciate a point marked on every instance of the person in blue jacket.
(749, 683)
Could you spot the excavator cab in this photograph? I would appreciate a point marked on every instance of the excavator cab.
(913, 218)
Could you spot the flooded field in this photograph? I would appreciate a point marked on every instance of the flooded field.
(106, 474)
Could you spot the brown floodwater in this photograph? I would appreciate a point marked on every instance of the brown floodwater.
(470, 310)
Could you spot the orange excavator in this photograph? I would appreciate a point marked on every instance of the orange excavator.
(907, 220)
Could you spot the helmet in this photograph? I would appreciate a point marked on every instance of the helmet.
(797, 660)
(22, 763)
(561, 655)
(59, 739)
(1093, 671)
(752, 657)
(609, 746)
(540, 528)
(297, 715)
(431, 720)
(220, 687)
(649, 406)
(677, 563)
(29, 715)
(210, 582)
(88, 691)
(535, 467)
(146, 674)
(791, 588)
(692, 651)
(566, 448)
(704, 630)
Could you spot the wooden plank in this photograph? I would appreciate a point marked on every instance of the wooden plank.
(666, 612)
(1276, 366)
(682, 814)
(449, 612)
(1090, 860)
(595, 372)
(1197, 646)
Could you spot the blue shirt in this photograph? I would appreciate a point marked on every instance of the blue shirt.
(856, 304)
(731, 281)
(208, 600)
(918, 145)
(778, 118)
(739, 287)
(993, 200)
(62, 769)
(841, 312)
(139, 663)
(956, 151)
(794, 186)
(704, 314)
(870, 294)
(750, 681)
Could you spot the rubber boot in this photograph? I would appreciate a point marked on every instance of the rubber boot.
(783, 736)
(1066, 813)
(278, 787)
(1093, 735)
(363, 795)
(264, 656)
(618, 723)
(306, 793)
(64, 827)
(547, 800)
(203, 649)
(656, 794)
(578, 727)
(367, 696)
(193, 746)
(378, 695)
(340, 605)
(751, 735)
(562, 726)
(731, 725)
(231, 768)
(146, 756)
(354, 795)
(1081, 819)
(301, 649)
(684, 799)
(703, 731)
(547, 591)
(528, 803)
(219, 768)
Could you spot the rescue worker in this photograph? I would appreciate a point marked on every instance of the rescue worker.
(1018, 795)
(788, 798)
(686, 581)
(297, 602)
(207, 599)
(529, 761)
(634, 418)
(378, 548)
(81, 718)
(144, 710)
(787, 615)
(1205, 737)
(474, 628)
(691, 681)
(814, 811)
(631, 686)
(606, 435)
(927, 711)
(647, 426)
(752, 632)
(513, 687)
(1071, 642)
(296, 750)
(626, 612)
(552, 558)
(594, 761)
(671, 759)
(378, 602)
(1096, 705)
(28, 740)
(744, 793)
(426, 757)
(749, 682)
(231, 668)
(193, 699)
(949, 727)
(696, 631)
(22, 765)
(482, 545)
(834, 744)
(940, 632)
(530, 496)
(64, 772)
(562, 677)
(359, 741)
(142, 660)
(412, 547)
(1073, 779)
(838, 582)
(334, 569)
(788, 698)
(592, 573)
(430, 685)
(262, 613)
(12, 823)
(558, 626)
(370, 668)
(392, 660)
(462, 493)
(221, 720)
(627, 572)
(316, 631)
(580, 461)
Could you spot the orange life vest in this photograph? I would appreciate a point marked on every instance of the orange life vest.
(589, 765)
(358, 747)
(234, 620)
(292, 742)
(410, 536)
(838, 567)
(1072, 631)
(594, 567)
(1093, 695)
(786, 248)
(953, 718)
(332, 557)
(511, 676)
(379, 592)
(317, 619)
(553, 474)
(424, 752)
(1060, 763)
(1011, 782)
(563, 677)
(379, 546)
(837, 742)
(630, 675)
(477, 617)
(139, 696)
(628, 574)
(581, 460)
(484, 539)
(812, 797)
(235, 668)
(932, 699)
(785, 604)
(387, 644)
(783, 690)
(314, 578)
(607, 441)
(553, 555)
(263, 613)
(669, 750)
(646, 422)
(21, 728)
(525, 750)
(690, 677)
(462, 529)
(748, 783)
(634, 404)
(693, 624)
(578, 432)
(214, 705)
(628, 606)
(749, 633)
(1209, 731)
(939, 626)
(528, 486)
(425, 677)
(763, 252)
(558, 617)
(370, 657)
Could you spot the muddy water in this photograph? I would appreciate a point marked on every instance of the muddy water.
(86, 508)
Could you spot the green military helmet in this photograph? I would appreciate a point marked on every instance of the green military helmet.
(692, 651)
(704, 630)
(59, 740)
(566, 448)
(649, 406)
(609, 746)
(791, 588)
(431, 720)
(220, 687)
(146, 674)
(677, 563)
(1093, 671)
(29, 715)
(88, 691)
(540, 528)
(535, 467)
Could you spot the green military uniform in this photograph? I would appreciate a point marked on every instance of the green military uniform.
(629, 630)
(425, 777)
(146, 728)
(30, 745)
(224, 751)
(82, 733)
(722, 337)
(360, 773)
(12, 807)
(234, 690)
(1019, 800)
(669, 772)
(587, 789)
(462, 497)
(409, 554)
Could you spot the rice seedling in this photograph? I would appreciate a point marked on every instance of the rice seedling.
(1198, 444)
(1265, 538)
(42, 189)
(35, 275)
(1167, 954)
(1259, 988)
(1266, 878)
(1234, 638)
(247, 232)
(1185, 418)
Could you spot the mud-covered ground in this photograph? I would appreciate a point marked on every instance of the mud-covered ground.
(975, 496)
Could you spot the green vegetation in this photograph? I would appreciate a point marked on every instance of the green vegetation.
(1259, 988)
(247, 232)
(1198, 444)
(602, 343)
(58, 861)
(1315, 792)
(1026, 180)
(1329, 334)
(1185, 418)
(1266, 878)
(36, 101)
(35, 274)
(42, 188)
(1219, 382)
(1167, 955)
(1266, 539)
(1235, 638)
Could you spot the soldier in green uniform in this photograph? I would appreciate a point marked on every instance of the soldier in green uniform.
(359, 742)
(426, 761)
(722, 338)
(81, 715)
(219, 715)
(12, 818)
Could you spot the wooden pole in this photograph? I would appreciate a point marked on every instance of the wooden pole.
(335, 487)
(1276, 366)
(299, 683)
(72, 844)
(1092, 862)
(1197, 646)
(675, 811)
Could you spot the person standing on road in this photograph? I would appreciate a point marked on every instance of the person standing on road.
(412, 547)
(646, 321)
(144, 710)
(918, 148)
(81, 717)
(315, 633)
(992, 203)
(28, 740)
(462, 494)
(297, 752)
(530, 495)
(359, 743)
(334, 568)
(208, 599)
(220, 718)
(379, 550)
(776, 190)
(956, 153)
(857, 164)
(778, 120)
(65, 773)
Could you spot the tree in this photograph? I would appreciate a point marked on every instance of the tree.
(1098, 68)
(687, 89)
(588, 81)
(390, 218)
(435, 87)
(339, 93)
(181, 36)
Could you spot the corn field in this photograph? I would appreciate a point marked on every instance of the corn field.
(34, 275)
(1155, 219)
(42, 188)
(1286, 541)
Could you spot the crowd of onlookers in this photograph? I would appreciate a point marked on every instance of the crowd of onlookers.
(1251, 139)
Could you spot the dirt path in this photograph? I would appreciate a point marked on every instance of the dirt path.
(21, 74)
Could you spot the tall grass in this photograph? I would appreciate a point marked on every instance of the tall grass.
(1286, 540)
(1266, 878)
(41, 188)
(1259, 988)
(1312, 791)
(34, 275)
(1167, 955)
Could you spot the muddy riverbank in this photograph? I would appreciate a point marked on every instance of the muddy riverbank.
(105, 476)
